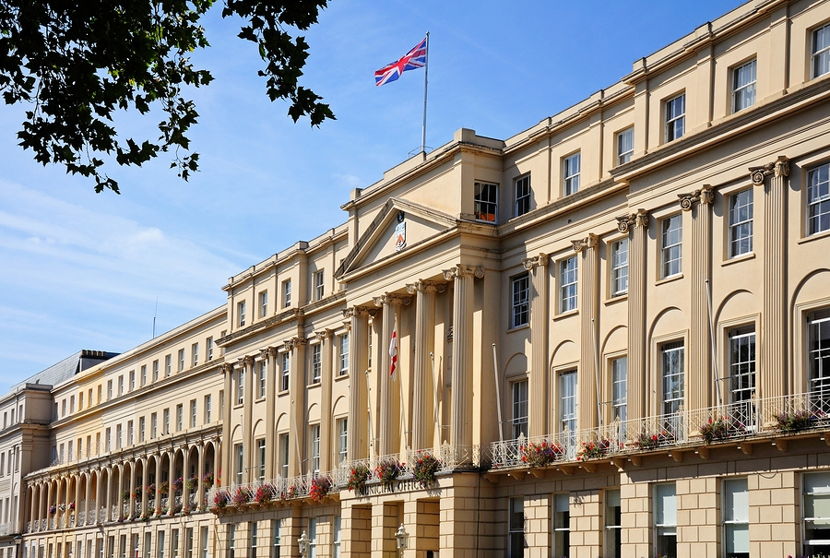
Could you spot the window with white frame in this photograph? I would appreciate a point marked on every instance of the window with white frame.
(153, 425)
(516, 528)
(316, 363)
(262, 367)
(318, 281)
(174, 543)
(665, 520)
(619, 267)
(239, 463)
(161, 544)
(818, 199)
(335, 538)
(263, 304)
(204, 551)
(743, 86)
(520, 301)
(194, 354)
(821, 51)
(567, 284)
(168, 365)
(342, 439)
(818, 353)
(619, 389)
(192, 413)
(240, 386)
(742, 366)
(343, 369)
(188, 543)
(285, 370)
(207, 409)
(165, 421)
(571, 166)
(209, 348)
(675, 111)
(613, 524)
(740, 223)
(314, 448)
(240, 313)
(672, 363)
(561, 525)
(312, 537)
(736, 518)
(625, 145)
(671, 245)
(276, 538)
(283, 448)
(141, 429)
(816, 513)
(142, 378)
(120, 386)
(486, 201)
(109, 394)
(521, 195)
(519, 390)
(130, 383)
(567, 401)
(286, 293)
(181, 360)
(230, 551)
(260, 459)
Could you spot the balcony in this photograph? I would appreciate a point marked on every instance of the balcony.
(698, 429)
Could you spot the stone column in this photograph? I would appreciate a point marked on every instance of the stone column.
(131, 509)
(356, 328)
(200, 473)
(248, 449)
(157, 502)
(227, 405)
(326, 381)
(297, 387)
(773, 339)
(422, 387)
(185, 477)
(461, 429)
(699, 381)
(271, 382)
(537, 373)
(33, 506)
(637, 225)
(145, 478)
(100, 497)
(388, 390)
(171, 476)
(590, 394)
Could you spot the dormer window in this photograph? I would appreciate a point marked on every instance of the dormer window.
(486, 201)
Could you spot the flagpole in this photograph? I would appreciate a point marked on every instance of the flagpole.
(426, 82)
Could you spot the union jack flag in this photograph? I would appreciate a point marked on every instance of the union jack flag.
(415, 58)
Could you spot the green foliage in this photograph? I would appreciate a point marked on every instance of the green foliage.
(78, 64)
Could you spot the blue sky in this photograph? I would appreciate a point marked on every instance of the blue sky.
(84, 270)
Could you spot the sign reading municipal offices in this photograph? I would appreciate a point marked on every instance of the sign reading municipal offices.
(400, 232)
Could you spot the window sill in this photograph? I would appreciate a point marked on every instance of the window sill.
(567, 314)
(616, 298)
(282, 392)
(815, 236)
(669, 279)
(738, 259)
(258, 399)
(238, 405)
(313, 384)
(340, 377)
(518, 328)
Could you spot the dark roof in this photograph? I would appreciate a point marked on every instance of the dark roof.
(68, 367)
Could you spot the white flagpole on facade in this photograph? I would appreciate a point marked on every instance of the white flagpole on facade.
(426, 82)
(498, 393)
(715, 374)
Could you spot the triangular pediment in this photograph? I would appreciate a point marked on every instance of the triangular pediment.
(398, 218)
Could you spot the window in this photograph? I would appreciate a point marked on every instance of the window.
(521, 195)
(816, 513)
(314, 448)
(736, 518)
(818, 196)
(129, 434)
(240, 313)
(821, 51)
(263, 304)
(230, 551)
(276, 539)
(207, 405)
(671, 245)
(107, 441)
(344, 355)
(570, 173)
(673, 389)
(675, 117)
(286, 293)
(260, 457)
(252, 534)
(192, 413)
(179, 417)
(155, 370)
(131, 384)
(284, 448)
(209, 348)
(239, 463)
(625, 146)
(740, 223)
(168, 365)
(342, 440)
(165, 421)
(174, 543)
(318, 279)
(742, 373)
(316, 363)
(312, 537)
(240, 387)
(181, 360)
(194, 354)
(665, 520)
(80, 403)
(561, 525)
(519, 408)
(260, 379)
(286, 371)
(486, 201)
(188, 542)
(567, 401)
(613, 524)
(743, 86)
(619, 267)
(335, 542)
(153, 425)
(516, 528)
(109, 394)
(203, 542)
(520, 302)
(160, 544)
(818, 354)
(567, 284)
(141, 427)
(619, 389)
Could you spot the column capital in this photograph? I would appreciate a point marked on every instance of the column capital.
(461, 270)
(590, 241)
(532, 262)
(227, 367)
(293, 343)
(426, 286)
(636, 219)
(704, 195)
(247, 360)
(392, 299)
(778, 168)
(324, 334)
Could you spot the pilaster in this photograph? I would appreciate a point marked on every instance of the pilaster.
(271, 382)
(538, 403)
(424, 292)
(357, 331)
(589, 327)
(297, 388)
(248, 449)
(227, 404)
(326, 380)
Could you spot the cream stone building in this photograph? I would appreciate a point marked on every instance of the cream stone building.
(605, 336)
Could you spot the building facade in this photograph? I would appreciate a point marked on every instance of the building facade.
(608, 335)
